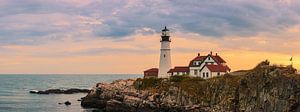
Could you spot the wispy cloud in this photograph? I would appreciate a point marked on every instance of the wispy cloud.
(113, 18)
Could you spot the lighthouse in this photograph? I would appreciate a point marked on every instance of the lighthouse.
(165, 54)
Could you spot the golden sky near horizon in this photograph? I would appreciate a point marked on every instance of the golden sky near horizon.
(112, 36)
(136, 54)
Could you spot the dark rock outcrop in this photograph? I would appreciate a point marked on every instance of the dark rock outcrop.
(68, 103)
(266, 88)
(60, 91)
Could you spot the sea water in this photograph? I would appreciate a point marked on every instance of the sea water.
(15, 96)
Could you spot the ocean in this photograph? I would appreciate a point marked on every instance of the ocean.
(15, 96)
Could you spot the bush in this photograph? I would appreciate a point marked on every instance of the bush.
(147, 83)
(185, 78)
(177, 78)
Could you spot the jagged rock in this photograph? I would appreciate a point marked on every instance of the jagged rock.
(265, 88)
(117, 106)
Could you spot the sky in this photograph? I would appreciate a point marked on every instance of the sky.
(122, 36)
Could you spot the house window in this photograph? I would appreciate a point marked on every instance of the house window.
(203, 74)
(208, 58)
(195, 72)
(218, 73)
(206, 74)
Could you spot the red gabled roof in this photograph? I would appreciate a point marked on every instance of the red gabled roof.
(218, 68)
(180, 69)
(218, 59)
(198, 58)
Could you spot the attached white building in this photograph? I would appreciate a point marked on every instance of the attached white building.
(179, 70)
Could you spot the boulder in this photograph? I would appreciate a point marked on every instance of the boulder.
(68, 103)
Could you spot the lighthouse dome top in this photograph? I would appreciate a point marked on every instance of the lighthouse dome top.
(165, 29)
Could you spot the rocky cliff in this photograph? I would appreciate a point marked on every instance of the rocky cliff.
(266, 88)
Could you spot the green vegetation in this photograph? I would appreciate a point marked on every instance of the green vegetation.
(218, 89)
(148, 83)
(230, 89)
(194, 87)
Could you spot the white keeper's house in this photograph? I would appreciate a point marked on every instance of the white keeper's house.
(204, 66)
(208, 66)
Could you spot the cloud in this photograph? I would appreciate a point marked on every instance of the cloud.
(117, 19)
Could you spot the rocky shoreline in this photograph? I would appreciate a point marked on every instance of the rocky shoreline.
(266, 88)
(121, 96)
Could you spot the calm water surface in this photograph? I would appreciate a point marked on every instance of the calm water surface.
(15, 96)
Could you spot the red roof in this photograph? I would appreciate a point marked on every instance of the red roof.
(198, 58)
(180, 69)
(152, 70)
(218, 68)
(216, 57)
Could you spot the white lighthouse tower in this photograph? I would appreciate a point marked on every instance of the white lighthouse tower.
(165, 54)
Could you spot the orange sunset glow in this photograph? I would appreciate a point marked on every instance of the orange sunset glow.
(123, 37)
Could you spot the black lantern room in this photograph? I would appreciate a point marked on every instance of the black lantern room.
(165, 35)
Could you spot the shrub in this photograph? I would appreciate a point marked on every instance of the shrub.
(176, 78)
(147, 83)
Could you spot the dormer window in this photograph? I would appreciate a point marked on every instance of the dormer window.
(195, 63)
